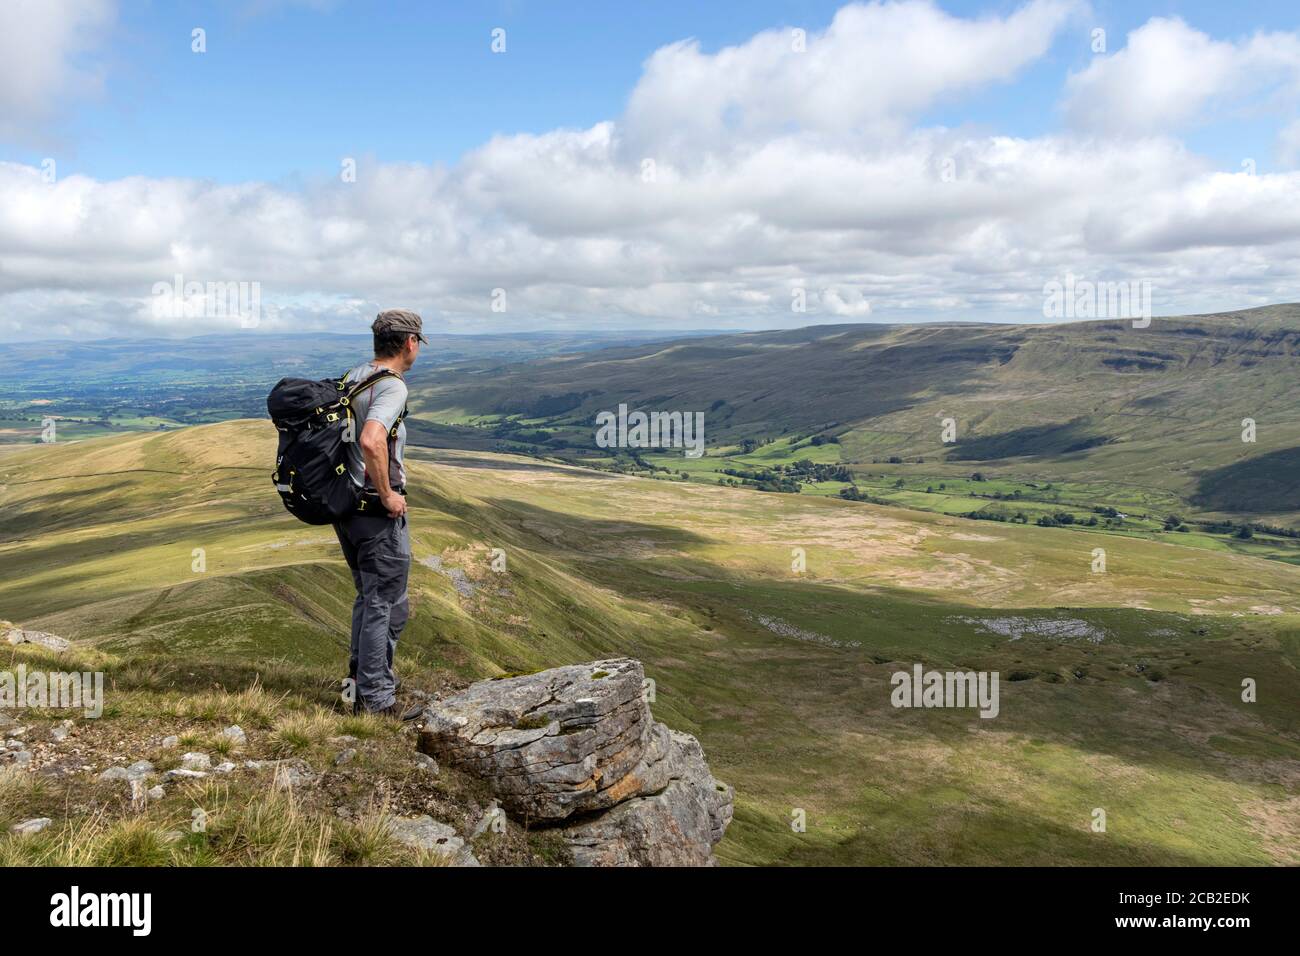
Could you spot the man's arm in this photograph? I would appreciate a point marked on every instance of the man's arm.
(374, 449)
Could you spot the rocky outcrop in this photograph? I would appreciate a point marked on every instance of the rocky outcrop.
(16, 635)
(577, 748)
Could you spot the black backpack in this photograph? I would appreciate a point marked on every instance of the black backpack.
(311, 464)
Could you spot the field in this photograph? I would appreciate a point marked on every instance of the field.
(1195, 416)
(1121, 690)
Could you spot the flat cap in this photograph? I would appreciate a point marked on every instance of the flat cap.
(400, 320)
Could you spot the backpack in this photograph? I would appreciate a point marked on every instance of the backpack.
(311, 463)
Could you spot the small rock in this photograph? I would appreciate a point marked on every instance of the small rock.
(114, 773)
(345, 756)
(157, 793)
(170, 742)
(22, 758)
(17, 635)
(426, 763)
(14, 744)
(224, 767)
(28, 827)
(343, 739)
(138, 794)
(294, 773)
(259, 764)
(196, 761)
(141, 768)
(61, 731)
(236, 733)
(486, 822)
(184, 774)
(426, 833)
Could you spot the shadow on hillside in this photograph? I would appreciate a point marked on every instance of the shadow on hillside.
(193, 533)
(1266, 483)
(496, 464)
(52, 512)
(571, 532)
(1035, 440)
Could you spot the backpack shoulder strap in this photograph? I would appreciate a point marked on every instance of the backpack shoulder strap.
(371, 380)
(367, 382)
(392, 432)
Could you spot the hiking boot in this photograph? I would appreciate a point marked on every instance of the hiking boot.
(396, 711)
(357, 707)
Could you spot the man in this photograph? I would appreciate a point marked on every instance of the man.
(376, 540)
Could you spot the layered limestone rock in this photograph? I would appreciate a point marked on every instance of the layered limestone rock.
(577, 747)
(16, 635)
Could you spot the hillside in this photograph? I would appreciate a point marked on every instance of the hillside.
(1120, 689)
(148, 384)
(1142, 418)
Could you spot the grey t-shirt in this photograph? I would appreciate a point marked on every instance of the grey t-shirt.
(381, 402)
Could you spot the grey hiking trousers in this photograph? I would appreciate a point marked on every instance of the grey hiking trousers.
(378, 551)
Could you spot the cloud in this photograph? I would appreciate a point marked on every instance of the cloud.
(41, 46)
(846, 302)
(1170, 76)
(875, 218)
(875, 65)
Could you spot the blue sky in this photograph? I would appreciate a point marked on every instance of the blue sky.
(641, 164)
(285, 87)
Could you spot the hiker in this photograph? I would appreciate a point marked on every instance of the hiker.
(376, 539)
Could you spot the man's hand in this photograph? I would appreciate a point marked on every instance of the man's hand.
(395, 503)
(374, 449)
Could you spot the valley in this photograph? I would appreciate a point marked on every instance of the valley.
(1120, 690)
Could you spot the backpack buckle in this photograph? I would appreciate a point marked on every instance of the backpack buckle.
(340, 469)
(332, 417)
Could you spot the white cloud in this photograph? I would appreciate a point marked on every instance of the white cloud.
(41, 42)
(845, 302)
(875, 65)
(1169, 76)
(832, 194)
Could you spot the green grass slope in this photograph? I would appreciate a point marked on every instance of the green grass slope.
(1120, 690)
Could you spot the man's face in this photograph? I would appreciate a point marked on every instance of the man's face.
(411, 351)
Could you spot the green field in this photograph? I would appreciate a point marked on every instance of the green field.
(1146, 421)
(1120, 690)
